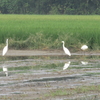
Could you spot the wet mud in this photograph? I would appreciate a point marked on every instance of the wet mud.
(36, 78)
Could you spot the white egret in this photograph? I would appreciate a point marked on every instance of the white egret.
(5, 49)
(66, 65)
(5, 70)
(66, 50)
(84, 47)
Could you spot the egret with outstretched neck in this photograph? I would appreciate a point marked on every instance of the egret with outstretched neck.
(5, 49)
(65, 49)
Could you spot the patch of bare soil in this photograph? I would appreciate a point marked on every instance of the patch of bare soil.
(41, 84)
(46, 53)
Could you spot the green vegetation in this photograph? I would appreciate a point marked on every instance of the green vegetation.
(92, 74)
(37, 67)
(85, 90)
(47, 31)
(50, 7)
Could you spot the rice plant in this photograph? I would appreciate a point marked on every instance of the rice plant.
(47, 31)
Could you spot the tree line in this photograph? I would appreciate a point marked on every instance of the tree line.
(70, 7)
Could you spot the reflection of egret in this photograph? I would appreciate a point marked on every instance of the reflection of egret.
(84, 62)
(5, 70)
(66, 65)
(5, 49)
(84, 47)
(66, 50)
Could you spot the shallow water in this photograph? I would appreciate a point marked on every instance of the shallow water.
(31, 77)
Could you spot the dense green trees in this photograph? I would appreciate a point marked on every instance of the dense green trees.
(50, 6)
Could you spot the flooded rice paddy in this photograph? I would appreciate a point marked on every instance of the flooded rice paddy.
(50, 77)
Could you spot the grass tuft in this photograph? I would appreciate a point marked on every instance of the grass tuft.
(47, 31)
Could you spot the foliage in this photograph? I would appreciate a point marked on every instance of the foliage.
(50, 6)
(47, 31)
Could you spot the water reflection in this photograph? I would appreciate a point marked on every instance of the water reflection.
(22, 64)
(84, 62)
(5, 70)
(66, 65)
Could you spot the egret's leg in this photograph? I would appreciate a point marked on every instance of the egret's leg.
(6, 72)
(84, 53)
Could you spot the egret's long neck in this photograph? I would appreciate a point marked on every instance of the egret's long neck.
(7, 42)
(63, 45)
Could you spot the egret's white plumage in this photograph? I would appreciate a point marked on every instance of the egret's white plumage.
(5, 49)
(84, 47)
(66, 65)
(66, 50)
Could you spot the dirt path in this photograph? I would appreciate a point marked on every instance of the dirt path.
(43, 53)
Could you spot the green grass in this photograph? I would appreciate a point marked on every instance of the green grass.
(37, 67)
(85, 90)
(47, 31)
(92, 74)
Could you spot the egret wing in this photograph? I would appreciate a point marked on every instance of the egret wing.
(4, 50)
(67, 51)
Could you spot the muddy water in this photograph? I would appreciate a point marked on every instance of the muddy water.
(35, 78)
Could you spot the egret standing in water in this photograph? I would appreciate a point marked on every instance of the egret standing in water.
(65, 49)
(84, 47)
(5, 49)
